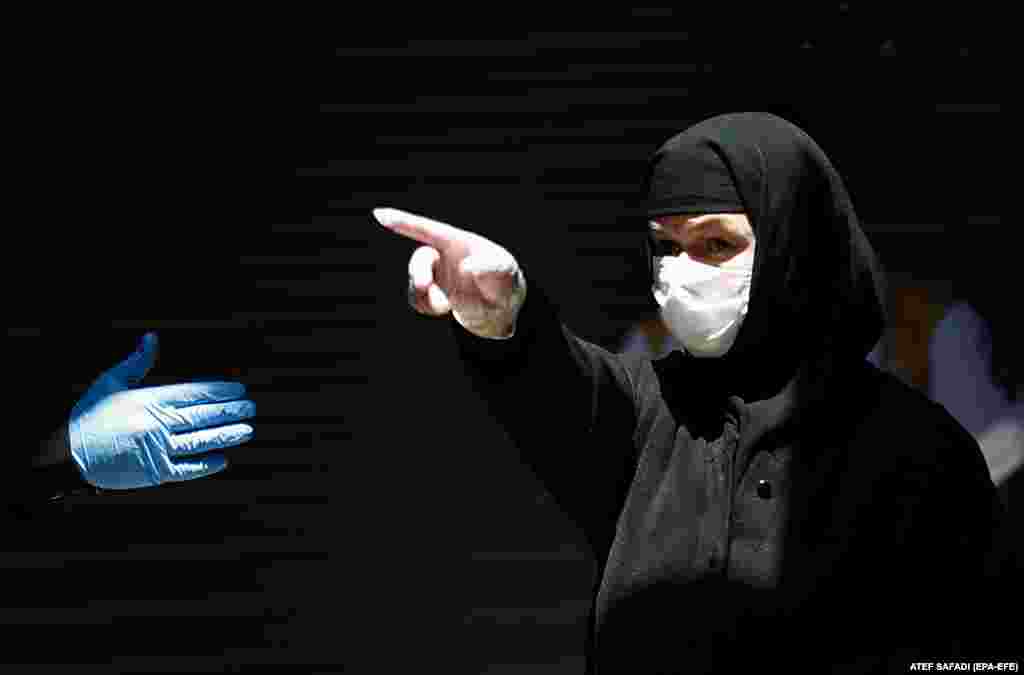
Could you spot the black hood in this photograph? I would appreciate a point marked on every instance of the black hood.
(817, 293)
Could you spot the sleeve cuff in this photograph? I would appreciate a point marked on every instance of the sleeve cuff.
(534, 313)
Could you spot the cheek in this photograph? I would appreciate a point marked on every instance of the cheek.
(746, 249)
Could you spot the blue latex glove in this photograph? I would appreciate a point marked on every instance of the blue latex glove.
(123, 438)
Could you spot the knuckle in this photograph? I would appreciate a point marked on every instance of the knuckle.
(425, 254)
(420, 274)
(425, 308)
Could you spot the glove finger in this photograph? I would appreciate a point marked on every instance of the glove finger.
(196, 443)
(134, 368)
(196, 393)
(197, 467)
(104, 385)
(181, 420)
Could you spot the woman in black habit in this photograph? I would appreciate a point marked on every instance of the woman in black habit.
(765, 497)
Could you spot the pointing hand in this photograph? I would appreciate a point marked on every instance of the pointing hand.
(460, 272)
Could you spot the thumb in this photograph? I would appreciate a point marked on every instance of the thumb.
(136, 366)
(494, 276)
(122, 376)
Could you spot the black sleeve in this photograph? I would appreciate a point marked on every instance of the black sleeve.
(46, 371)
(567, 404)
(34, 487)
(38, 487)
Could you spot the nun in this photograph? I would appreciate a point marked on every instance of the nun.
(762, 496)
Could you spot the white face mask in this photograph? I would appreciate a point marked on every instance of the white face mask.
(703, 305)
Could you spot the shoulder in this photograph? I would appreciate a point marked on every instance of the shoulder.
(897, 403)
(915, 429)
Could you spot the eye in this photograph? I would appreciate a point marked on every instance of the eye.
(718, 246)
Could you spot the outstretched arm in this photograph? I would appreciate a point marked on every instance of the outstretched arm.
(567, 404)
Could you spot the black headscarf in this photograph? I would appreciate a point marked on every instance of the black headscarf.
(817, 297)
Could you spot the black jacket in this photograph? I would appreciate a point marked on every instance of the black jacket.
(875, 546)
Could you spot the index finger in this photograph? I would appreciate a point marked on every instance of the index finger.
(431, 232)
(196, 393)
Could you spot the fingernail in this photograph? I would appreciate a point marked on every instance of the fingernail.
(382, 215)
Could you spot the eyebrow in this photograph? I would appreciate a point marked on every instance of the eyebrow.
(661, 229)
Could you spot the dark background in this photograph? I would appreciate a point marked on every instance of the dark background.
(214, 182)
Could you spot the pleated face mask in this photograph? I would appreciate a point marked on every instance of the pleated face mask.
(703, 305)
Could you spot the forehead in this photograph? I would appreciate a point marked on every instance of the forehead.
(692, 223)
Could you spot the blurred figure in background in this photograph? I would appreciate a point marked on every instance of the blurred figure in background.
(648, 337)
(975, 363)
